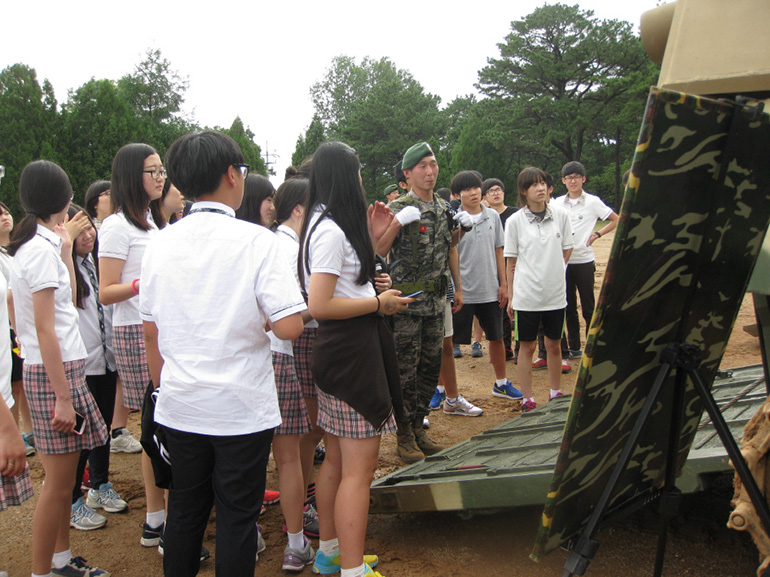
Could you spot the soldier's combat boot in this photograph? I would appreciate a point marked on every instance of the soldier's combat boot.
(407, 448)
(426, 445)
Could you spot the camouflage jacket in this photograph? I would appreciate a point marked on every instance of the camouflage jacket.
(419, 256)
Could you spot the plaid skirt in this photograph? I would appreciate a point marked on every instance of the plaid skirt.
(131, 358)
(340, 419)
(42, 401)
(303, 348)
(15, 490)
(290, 400)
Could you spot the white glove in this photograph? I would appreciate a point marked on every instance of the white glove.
(464, 219)
(408, 215)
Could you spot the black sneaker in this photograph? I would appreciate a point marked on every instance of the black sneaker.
(151, 537)
(204, 552)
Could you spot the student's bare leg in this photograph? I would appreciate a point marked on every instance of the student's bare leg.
(154, 494)
(497, 358)
(448, 374)
(309, 441)
(327, 485)
(524, 368)
(286, 452)
(477, 332)
(120, 413)
(351, 509)
(554, 362)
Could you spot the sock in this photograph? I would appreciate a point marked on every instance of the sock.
(355, 572)
(555, 392)
(330, 547)
(452, 400)
(156, 518)
(116, 432)
(61, 559)
(500, 382)
(530, 399)
(441, 388)
(296, 540)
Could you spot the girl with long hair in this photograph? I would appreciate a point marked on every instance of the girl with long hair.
(64, 415)
(257, 205)
(354, 364)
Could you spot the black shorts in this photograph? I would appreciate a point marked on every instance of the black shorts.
(527, 323)
(490, 317)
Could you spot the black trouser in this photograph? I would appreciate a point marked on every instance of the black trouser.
(228, 471)
(580, 281)
(507, 329)
(102, 388)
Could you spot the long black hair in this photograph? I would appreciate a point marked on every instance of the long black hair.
(291, 193)
(44, 190)
(93, 193)
(256, 189)
(82, 285)
(335, 183)
(127, 192)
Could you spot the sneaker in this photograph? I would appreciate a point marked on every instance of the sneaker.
(575, 353)
(476, 351)
(150, 536)
(556, 396)
(565, 366)
(425, 423)
(78, 567)
(204, 552)
(125, 443)
(320, 454)
(456, 352)
(310, 522)
(528, 406)
(271, 497)
(298, 559)
(106, 498)
(326, 565)
(539, 364)
(509, 355)
(462, 407)
(261, 545)
(29, 443)
(438, 398)
(85, 484)
(310, 494)
(507, 391)
(84, 518)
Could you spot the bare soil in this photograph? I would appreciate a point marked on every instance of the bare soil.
(440, 544)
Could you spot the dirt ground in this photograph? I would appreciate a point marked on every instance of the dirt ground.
(438, 544)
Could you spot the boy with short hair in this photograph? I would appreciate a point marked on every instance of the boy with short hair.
(210, 285)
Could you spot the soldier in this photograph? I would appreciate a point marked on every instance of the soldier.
(391, 192)
(419, 241)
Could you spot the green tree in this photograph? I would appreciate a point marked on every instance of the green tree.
(308, 142)
(251, 150)
(27, 124)
(561, 75)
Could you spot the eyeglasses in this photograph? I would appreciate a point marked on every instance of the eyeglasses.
(156, 173)
(244, 169)
(573, 177)
(495, 190)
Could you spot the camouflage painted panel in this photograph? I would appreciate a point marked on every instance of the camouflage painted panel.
(692, 221)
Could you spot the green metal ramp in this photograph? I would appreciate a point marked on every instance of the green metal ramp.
(512, 464)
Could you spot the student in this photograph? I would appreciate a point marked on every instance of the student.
(137, 179)
(354, 361)
(258, 198)
(538, 243)
(210, 285)
(97, 201)
(584, 211)
(95, 324)
(54, 367)
(170, 207)
(482, 269)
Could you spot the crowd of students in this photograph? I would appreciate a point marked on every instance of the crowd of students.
(258, 321)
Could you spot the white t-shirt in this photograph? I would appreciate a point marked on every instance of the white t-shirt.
(210, 283)
(331, 252)
(539, 282)
(5, 351)
(98, 360)
(583, 212)
(478, 257)
(37, 265)
(288, 245)
(120, 239)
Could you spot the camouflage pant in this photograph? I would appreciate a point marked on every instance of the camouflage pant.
(418, 347)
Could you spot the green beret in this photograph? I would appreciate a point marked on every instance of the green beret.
(415, 154)
(390, 188)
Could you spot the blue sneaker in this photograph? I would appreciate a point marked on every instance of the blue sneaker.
(507, 391)
(326, 565)
(438, 398)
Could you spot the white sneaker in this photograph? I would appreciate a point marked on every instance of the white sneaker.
(261, 545)
(425, 423)
(125, 443)
(461, 407)
(85, 518)
(106, 498)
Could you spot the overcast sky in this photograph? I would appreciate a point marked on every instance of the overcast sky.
(257, 60)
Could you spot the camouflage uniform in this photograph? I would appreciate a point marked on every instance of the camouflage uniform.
(419, 331)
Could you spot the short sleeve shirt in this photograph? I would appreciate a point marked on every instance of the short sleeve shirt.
(583, 213)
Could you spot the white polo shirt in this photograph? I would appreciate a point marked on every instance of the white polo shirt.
(210, 283)
(330, 252)
(5, 351)
(539, 282)
(288, 245)
(37, 265)
(583, 212)
(98, 360)
(120, 239)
